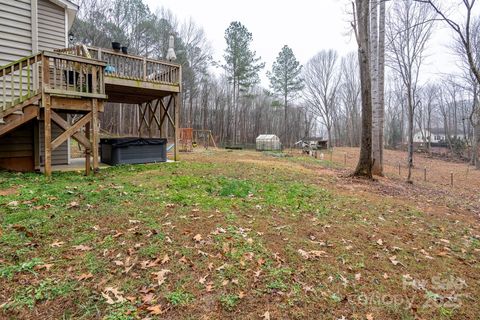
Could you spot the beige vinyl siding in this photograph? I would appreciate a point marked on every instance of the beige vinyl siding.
(15, 41)
(16, 30)
(51, 35)
(59, 155)
(51, 26)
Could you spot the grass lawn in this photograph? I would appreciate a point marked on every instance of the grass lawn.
(233, 235)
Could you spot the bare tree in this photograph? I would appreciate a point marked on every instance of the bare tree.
(408, 31)
(322, 80)
(198, 55)
(468, 39)
(350, 97)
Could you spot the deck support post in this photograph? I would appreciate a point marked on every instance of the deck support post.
(163, 124)
(47, 134)
(87, 150)
(176, 127)
(95, 135)
(94, 122)
(36, 145)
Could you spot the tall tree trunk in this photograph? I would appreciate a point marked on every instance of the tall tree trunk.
(410, 134)
(476, 132)
(286, 135)
(364, 166)
(381, 86)
(376, 169)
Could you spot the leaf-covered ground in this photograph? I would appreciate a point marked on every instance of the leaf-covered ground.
(233, 235)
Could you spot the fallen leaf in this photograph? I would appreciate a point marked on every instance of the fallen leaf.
(82, 248)
(161, 276)
(380, 242)
(13, 204)
(57, 244)
(20, 228)
(202, 280)
(266, 315)
(369, 316)
(84, 276)
(165, 259)
(209, 287)
(118, 263)
(198, 237)
(394, 261)
(44, 266)
(155, 310)
(147, 298)
(312, 254)
(116, 298)
(73, 204)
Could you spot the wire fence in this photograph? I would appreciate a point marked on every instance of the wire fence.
(425, 171)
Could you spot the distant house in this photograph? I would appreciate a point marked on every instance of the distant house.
(312, 143)
(434, 135)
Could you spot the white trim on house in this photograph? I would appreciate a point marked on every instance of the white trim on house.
(70, 10)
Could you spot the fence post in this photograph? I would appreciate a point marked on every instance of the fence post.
(345, 159)
(425, 174)
(451, 179)
(399, 169)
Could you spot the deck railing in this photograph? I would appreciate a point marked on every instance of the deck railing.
(72, 75)
(132, 67)
(17, 81)
(52, 72)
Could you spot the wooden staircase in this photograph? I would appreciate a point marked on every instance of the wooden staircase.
(20, 96)
(19, 114)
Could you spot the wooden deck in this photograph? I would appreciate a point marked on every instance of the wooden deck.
(80, 80)
(133, 79)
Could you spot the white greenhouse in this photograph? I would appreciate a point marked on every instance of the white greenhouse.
(268, 142)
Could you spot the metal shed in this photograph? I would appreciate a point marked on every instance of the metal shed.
(268, 142)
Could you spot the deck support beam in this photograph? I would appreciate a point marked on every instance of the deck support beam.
(95, 135)
(47, 115)
(176, 126)
(89, 139)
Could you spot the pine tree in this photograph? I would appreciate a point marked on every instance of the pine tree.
(285, 81)
(241, 64)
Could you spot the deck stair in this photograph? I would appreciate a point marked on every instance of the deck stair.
(19, 101)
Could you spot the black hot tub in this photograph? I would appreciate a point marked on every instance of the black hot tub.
(133, 150)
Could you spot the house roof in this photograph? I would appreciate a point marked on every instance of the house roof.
(267, 137)
(319, 139)
(440, 131)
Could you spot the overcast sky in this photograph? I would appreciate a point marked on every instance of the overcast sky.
(307, 26)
